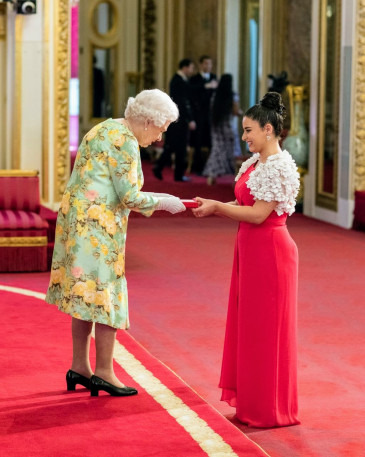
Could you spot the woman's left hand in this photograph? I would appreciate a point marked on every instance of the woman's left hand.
(206, 207)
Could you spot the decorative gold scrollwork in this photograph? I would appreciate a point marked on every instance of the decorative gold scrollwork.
(149, 48)
(62, 74)
(2, 21)
(359, 164)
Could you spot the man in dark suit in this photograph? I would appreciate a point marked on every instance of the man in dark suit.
(176, 138)
(203, 86)
(98, 91)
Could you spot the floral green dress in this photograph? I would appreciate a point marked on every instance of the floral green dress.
(88, 276)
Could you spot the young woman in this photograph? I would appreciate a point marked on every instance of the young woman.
(259, 369)
(225, 139)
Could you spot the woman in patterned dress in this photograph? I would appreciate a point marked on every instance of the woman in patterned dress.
(225, 140)
(87, 276)
(259, 368)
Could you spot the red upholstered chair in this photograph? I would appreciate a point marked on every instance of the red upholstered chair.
(23, 232)
(51, 217)
(359, 211)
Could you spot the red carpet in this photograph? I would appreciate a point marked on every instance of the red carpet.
(182, 323)
(38, 417)
(178, 273)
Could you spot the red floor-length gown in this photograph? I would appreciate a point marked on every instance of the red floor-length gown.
(259, 368)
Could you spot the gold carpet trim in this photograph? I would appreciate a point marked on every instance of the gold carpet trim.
(198, 429)
(28, 293)
(22, 241)
(211, 443)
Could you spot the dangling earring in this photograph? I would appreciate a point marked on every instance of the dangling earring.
(268, 137)
(145, 128)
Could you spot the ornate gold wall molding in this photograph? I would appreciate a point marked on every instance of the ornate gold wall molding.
(45, 104)
(359, 164)
(62, 76)
(221, 37)
(3, 72)
(202, 21)
(3, 21)
(174, 35)
(17, 120)
(149, 48)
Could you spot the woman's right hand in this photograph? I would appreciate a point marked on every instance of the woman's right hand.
(171, 204)
(206, 207)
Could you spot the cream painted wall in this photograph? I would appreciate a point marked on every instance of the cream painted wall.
(36, 61)
(8, 108)
(161, 45)
(266, 42)
(31, 91)
(34, 66)
(231, 38)
(49, 122)
(170, 31)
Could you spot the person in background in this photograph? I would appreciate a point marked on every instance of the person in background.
(176, 139)
(88, 267)
(98, 90)
(259, 367)
(225, 141)
(203, 85)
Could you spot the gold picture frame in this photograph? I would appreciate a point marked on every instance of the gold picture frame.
(328, 103)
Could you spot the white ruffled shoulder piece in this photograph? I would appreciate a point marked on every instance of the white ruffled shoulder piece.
(275, 180)
(246, 165)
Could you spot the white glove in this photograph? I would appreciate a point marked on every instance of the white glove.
(172, 204)
(157, 195)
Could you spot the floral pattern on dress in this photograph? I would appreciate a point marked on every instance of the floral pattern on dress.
(88, 266)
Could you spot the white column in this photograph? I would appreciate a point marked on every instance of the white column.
(31, 91)
(232, 33)
(130, 27)
(49, 121)
(161, 34)
(3, 15)
(170, 35)
(347, 115)
(310, 177)
(23, 104)
(344, 214)
(10, 83)
(265, 44)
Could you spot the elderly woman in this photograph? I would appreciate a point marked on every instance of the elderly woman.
(88, 278)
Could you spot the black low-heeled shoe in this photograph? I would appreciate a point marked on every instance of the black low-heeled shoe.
(73, 378)
(97, 384)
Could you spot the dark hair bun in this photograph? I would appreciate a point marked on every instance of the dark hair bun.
(273, 101)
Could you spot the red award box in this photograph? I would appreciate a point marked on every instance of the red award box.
(190, 203)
